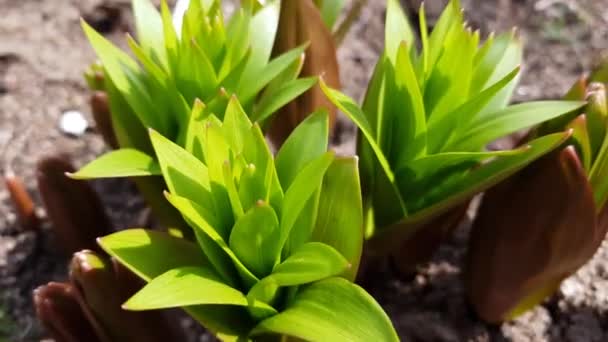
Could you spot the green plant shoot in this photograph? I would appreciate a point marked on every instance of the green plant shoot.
(278, 240)
(428, 115)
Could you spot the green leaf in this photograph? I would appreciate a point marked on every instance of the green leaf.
(580, 136)
(263, 28)
(340, 212)
(350, 108)
(405, 124)
(453, 125)
(184, 286)
(170, 37)
(125, 162)
(306, 143)
(125, 76)
(503, 55)
(185, 175)
(270, 103)
(331, 310)
(248, 88)
(236, 125)
(330, 11)
(215, 247)
(149, 27)
(455, 191)
(450, 17)
(149, 254)
(304, 185)
(217, 152)
(383, 177)
(311, 262)
(483, 131)
(188, 286)
(254, 239)
(598, 177)
(259, 181)
(397, 30)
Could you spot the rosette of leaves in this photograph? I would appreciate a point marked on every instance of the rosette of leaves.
(278, 241)
(553, 215)
(205, 59)
(425, 122)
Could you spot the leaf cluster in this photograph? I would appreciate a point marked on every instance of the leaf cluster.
(206, 59)
(277, 239)
(428, 115)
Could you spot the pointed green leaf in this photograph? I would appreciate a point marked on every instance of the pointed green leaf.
(270, 103)
(397, 30)
(311, 262)
(125, 75)
(455, 191)
(215, 247)
(512, 119)
(254, 239)
(149, 254)
(331, 310)
(340, 212)
(350, 108)
(304, 185)
(307, 142)
(236, 125)
(248, 88)
(188, 286)
(185, 175)
(125, 162)
(149, 27)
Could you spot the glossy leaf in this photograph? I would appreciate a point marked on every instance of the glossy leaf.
(182, 286)
(314, 316)
(149, 254)
(311, 262)
(301, 189)
(341, 213)
(307, 142)
(512, 119)
(119, 163)
(254, 239)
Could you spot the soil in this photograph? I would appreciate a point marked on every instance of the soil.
(43, 54)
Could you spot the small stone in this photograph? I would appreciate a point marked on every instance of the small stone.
(73, 123)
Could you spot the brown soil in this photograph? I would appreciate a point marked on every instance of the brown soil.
(43, 54)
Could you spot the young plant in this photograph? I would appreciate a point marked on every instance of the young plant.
(553, 216)
(425, 122)
(278, 241)
(205, 59)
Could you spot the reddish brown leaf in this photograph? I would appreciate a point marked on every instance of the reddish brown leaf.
(104, 291)
(425, 241)
(301, 22)
(103, 118)
(59, 311)
(531, 232)
(72, 206)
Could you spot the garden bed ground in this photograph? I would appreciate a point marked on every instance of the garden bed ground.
(43, 54)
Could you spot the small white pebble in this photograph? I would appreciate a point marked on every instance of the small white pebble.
(571, 288)
(73, 122)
